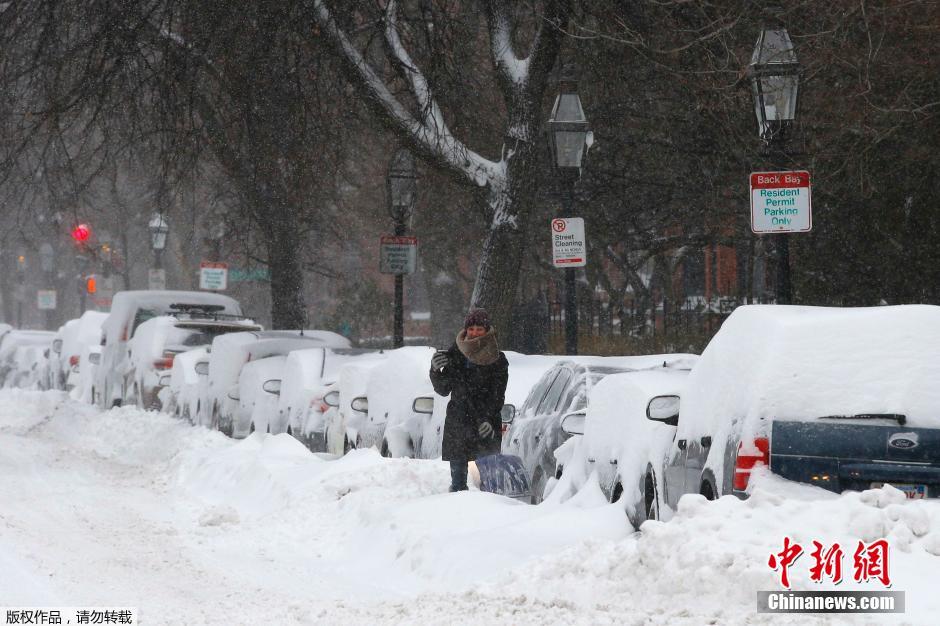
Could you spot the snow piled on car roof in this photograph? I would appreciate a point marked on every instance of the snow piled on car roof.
(801, 363)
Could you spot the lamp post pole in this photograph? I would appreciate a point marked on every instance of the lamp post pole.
(568, 130)
(775, 76)
(402, 187)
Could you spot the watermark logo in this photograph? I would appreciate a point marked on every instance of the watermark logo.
(869, 564)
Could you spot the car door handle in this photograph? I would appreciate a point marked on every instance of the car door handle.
(681, 444)
(706, 442)
(515, 440)
(537, 437)
(613, 461)
(590, 460)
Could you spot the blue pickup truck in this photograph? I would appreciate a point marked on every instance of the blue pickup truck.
(844, 399)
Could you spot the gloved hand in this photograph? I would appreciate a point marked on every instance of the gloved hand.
(440, 360)
(485, 430)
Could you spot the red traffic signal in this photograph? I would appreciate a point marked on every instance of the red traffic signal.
(91, 285)
(81, 233)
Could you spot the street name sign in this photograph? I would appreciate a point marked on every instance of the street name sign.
(568, 246)
(213, 276)
(46, 299)
(781, 202)
(398, 254)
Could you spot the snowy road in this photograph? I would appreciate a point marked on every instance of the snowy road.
(128, 508)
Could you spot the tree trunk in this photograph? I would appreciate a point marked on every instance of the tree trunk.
(282, 239)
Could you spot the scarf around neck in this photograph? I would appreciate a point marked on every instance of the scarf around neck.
(480, 351)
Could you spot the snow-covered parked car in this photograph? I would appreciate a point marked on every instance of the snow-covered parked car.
(346, 423)
(536, 431)
(619, 447)
(843, 399)
(229, 353)
(259, 384)
(75, 336)
(301, 404)
(155, 344)
(130, 309)
(392, 388)
(189, 380)
(83, 379)
(524, 371)
(23, 357)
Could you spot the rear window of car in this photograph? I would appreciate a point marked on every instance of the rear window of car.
(193, 336)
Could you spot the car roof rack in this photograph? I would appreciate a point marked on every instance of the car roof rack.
(203, 312)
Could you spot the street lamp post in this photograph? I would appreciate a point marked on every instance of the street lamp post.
(775, 76)
(47, 263)
(402, 187)
(158, 231)
(567, 134)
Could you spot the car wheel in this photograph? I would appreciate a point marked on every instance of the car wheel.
(707, 490)
(385, 451)
(115, 403)
(651, 497)
(346, 445)
(251, 429)
(538, 486)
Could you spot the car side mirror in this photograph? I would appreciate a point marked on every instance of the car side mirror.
(57, 346)
(360, 404)
(573, 423)
(165, 380)
(331, 398)
(94, 358)
(664, 409)
(423, 405)
(272, 386)
(508, 413)
(202, 368)
(233, 393)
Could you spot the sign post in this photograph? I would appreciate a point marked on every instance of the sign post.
(568, 245)
(156, 279)
(399, 254)
(213, 276)
(46, 299)
(781, 202)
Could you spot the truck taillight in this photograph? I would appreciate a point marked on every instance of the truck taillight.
(747, 461)
(73, 360)
(165, 363)
(504, 428)
(318, 405)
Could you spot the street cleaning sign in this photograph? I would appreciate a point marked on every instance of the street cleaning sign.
(213, 276)
(568, 245)
(399, 254)
(781, 202)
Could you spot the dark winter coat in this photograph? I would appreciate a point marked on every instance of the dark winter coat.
(477, 394)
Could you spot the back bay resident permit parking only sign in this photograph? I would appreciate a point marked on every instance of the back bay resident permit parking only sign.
(568, 247)
(781, 202)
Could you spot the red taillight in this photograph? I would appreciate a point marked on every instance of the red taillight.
(504, 428)
(318, 405)
(73, 360)
(165, 363)
(746, 462)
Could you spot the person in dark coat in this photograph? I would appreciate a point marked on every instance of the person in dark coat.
(474, 373)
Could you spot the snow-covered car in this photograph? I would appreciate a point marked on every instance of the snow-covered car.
(306, 376)
(346, 423)
(258, 386)
(616, 444)
(843, 399)
(524, 371)
(130, 309)
(84, 376)
(75, 336)
(536, 431)
(23, 356)
(57, 365)
(392, 388)
(230, 352)
(189, 380)
(155, 344)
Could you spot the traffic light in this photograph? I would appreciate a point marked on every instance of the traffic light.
(81, 233)
(91, 285)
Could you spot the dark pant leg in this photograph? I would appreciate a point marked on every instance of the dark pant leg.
(458, 476)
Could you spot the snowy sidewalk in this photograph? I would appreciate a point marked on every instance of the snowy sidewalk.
(129, 508)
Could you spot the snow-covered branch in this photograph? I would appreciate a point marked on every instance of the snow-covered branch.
(511, 67)
(427, 131)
